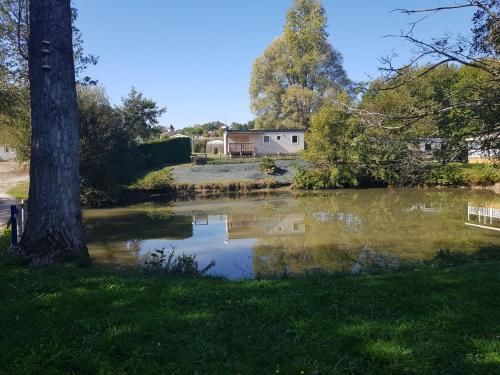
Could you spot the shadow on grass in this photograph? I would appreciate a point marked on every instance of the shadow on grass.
(431, 319)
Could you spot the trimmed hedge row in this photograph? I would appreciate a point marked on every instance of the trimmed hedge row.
(165, 151)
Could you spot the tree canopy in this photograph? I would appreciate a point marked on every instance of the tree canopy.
(297, 71)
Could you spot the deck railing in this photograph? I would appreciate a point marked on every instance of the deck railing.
(241, 149)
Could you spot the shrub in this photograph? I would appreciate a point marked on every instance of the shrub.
(482, 174)
(158, 180)
(165, 151)
(267, 165)
(5, 237)
(166, 262)
(200, 147)
(446, 175)
(325, 178)
(458, 174)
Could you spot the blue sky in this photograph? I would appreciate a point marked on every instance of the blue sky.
(195, 56)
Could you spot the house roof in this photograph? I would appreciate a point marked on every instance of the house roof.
(260, 131)
(215, 142)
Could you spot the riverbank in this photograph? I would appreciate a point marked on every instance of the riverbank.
(440, 318)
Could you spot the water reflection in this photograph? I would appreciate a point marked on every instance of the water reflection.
(348, 230)
(484, 217)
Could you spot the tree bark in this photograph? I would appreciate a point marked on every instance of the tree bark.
(54, 229)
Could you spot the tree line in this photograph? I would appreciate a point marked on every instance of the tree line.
(450, 90)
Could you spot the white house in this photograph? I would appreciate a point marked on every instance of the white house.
(430, 144)
(478, 154)
(7, 153)
(263, 142)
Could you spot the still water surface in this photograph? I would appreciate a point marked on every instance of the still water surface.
(266, 235)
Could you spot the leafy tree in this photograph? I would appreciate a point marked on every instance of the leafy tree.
(15, 127)
(297, 71)
(477, 52)
(106, 147)
(332, 135)
(14, 39)
(239, 126)
(141, 115)
(15, 130)
(203, 129)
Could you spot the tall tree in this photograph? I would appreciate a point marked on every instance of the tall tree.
(141, 115)
(297, 71)
(54, 230)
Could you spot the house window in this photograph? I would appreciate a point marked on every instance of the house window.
(278, 137)
(266, 139)
(295, 139)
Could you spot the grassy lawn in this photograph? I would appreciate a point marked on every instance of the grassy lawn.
(20, 191)
(428, 320)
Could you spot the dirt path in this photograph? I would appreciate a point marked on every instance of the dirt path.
(11, 174)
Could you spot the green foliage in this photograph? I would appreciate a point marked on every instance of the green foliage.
(107, 155)
(5, 238)
(332, 135)
(424, 320)
(325, 178)
(238, 126)
(157, 180)
(141, 115)
(15, 128)
(168, 263)
(213, 127)
(200, 146)
(267, 165)
(458, 174)
(291, 78)
(166, 151)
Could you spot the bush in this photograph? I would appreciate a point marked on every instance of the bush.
(158, 180)
(107, 156)
(165, 151)
(458, 174)
(5, 237)
(267, 165)
(325, 178)
(200, 147)
(182, 265)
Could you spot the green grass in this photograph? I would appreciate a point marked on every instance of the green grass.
(20, 191)
(438, 319)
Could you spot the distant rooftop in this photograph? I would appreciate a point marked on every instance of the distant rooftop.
(266, 131)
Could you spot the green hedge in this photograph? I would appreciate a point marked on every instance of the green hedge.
(165, 151)
(458, 174)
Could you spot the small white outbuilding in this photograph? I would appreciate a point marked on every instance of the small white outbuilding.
(215, 147)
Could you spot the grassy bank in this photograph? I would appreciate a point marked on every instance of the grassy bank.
(20, 191)
(431, 319)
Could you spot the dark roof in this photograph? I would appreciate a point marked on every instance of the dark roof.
(266, 131)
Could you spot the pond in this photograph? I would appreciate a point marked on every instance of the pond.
(294, 233)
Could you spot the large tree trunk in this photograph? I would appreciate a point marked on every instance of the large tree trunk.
(54, 230)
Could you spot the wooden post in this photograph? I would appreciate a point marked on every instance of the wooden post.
(13, 223)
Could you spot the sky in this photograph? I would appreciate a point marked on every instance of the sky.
(195, 56)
